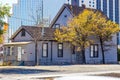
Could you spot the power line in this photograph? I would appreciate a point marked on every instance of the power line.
(22, 19)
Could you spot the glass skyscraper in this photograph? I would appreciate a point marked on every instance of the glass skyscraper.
(111, 8)
(25, 12)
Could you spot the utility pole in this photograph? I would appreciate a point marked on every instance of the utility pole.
(42, 10)
(37, 60)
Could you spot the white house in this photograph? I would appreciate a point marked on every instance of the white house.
(36, 45)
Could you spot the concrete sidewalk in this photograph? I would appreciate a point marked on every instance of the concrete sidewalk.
(31, 72)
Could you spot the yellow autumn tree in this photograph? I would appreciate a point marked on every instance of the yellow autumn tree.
(89, 23)
(77, 32)
(104, 29)
(4, 12)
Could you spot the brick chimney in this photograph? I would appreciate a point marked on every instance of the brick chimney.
(75, 2)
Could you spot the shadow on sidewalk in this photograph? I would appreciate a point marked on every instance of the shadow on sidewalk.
(23, 71)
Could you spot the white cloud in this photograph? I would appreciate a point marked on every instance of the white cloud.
(10, 2)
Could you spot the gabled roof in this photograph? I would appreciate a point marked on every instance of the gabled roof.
(35, 32)
(74, 10)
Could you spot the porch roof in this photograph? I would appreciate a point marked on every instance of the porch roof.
(16, 43)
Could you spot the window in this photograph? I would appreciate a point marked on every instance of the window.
(12, 50)
(57, 25)
(5, 51)
(65, 16)
(8, 51)
(60, 50)
(23, 33)
(45, 50)
(94, 51)
(82, 1)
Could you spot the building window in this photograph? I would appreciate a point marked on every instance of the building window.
(82, 1)
(57, 25)
(23, 33)
(60, 50)
(45, 50)
(11, 50)
(65, 16)
(8, 51)
(5, 51)
(94, 51)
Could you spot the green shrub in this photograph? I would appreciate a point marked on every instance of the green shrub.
(7, 63)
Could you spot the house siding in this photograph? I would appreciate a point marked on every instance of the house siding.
(110, 52)
(66, 53)
(20, 38)
(53, 57)
(62, 20)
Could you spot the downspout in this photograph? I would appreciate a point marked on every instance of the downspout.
(36, 54)
(51, 51)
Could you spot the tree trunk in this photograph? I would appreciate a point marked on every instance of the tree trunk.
(83, 53)
(102, 49)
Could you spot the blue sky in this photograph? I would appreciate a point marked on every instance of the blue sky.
(51, 7)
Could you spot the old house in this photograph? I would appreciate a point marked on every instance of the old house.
(36, 45)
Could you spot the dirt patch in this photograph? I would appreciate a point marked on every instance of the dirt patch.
(117, 75)
(45, 78)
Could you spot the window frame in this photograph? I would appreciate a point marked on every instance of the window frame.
(8, 51)
(43, 50)
(95, 53)
(12, 48)
(57, 27)
(60, 55)
(5, 51)
(23, 33)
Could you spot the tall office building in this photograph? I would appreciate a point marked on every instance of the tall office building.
(111, 8)
(88, 3)
(25, 12)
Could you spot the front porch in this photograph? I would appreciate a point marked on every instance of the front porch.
(16, 53)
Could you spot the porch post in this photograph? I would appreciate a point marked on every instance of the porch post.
(36, 54)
